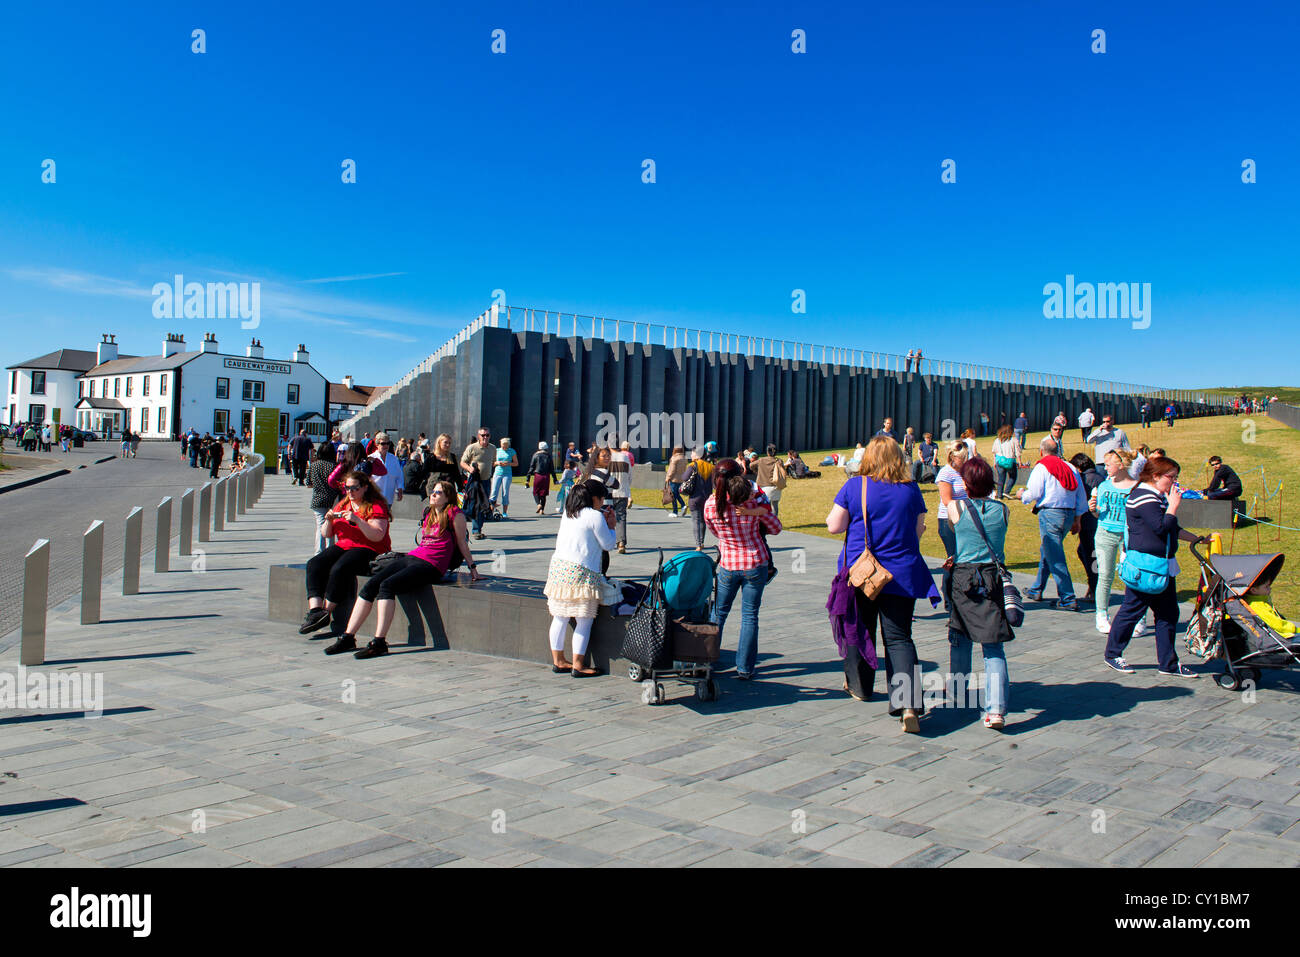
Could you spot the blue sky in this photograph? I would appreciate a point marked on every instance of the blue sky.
(775, 171)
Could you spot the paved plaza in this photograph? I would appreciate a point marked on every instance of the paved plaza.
(230, 740)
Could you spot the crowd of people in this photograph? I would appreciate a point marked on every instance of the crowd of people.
(1120, 503)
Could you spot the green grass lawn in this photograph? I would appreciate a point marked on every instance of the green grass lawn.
(1244, 442)
(1287, 394)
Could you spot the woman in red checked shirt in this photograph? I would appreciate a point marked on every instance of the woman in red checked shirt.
(358, 524)
(736, 513)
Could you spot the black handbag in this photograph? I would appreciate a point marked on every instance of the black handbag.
(647, 640)
(379, 563)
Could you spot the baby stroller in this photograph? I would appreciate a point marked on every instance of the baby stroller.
(1222, 626)
(670, 635)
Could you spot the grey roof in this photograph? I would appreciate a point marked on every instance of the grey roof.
(129, 364)
(308, 415)
(68, 360)
(99, 403)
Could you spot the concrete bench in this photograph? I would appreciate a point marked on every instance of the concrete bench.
(1208, 513)
(505, 617)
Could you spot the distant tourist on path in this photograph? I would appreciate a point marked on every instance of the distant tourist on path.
(1054, 486)
(974, 598)
(1020, 427)
(891, 527)
(770, 475)
(674, 475)
(300, 449)
(951, 489)
(697, 486)
(620, 494)
(318, 477)
(1006, 461)
(442, 534)
(503, 472)
(573, 578)
(1086, 419)
(1107, 503)
(1146, 415)
(477, 462)
(1107, 439)
(541, 472)
(1153, 533)
(1086, 549)
(736, 514)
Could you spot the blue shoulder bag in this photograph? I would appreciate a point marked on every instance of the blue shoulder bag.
(1143, 572)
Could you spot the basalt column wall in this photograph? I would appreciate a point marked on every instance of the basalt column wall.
(537, 387)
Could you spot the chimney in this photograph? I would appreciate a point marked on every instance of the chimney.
(209, 342)
(107, 349)
(347, 381)
(301, 354)
(255, 349)
(174, 343)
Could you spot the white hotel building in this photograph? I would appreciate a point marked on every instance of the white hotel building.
(160, 396)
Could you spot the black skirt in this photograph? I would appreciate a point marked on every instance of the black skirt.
(975, 604)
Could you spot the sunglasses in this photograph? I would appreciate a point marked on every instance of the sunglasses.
(353, 488)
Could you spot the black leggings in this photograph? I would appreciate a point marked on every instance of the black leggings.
(403, 574)
(332, 574)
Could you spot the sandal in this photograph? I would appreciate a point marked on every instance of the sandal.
(994, 722)
(911, 723)
(850, 692)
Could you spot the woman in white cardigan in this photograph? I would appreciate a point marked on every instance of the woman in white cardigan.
(574, 578)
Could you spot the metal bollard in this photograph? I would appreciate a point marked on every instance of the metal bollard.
(92, 571)
(163, 538)
(36, 593)
(205, 512)
(231, 487)
(187, 523)
(241, 492)
(131, 552)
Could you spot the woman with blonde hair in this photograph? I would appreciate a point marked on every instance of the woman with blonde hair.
(891, 526)
(1107, 503)
(440, 463)
(1006, 461)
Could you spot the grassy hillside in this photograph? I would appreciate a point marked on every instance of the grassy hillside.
(1288, 394)
(1246, 443)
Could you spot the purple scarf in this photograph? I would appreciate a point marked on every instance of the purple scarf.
(847, 626)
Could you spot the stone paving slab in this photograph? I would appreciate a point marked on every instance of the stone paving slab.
(451, 759)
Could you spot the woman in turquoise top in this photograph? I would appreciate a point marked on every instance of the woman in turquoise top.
(1107, 503)
(974, 594)
(502, 475)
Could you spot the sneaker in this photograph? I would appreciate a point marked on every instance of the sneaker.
(315, 619)
(1031, 595)
(1140, 628)
(373, 650)
(345, 643)
(1067, 604)
(1103, 623)
(1119, 664)
(1180, 671)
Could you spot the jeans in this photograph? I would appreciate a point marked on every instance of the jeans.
(750, 583)
(1107, 546)
(679, 503)
(1053, 525)
(501, 492)
(1020, 437)
(1005, 479)
(1165, 607)
(322, 543)
(697, 522)
(997, 683)
(620, 519)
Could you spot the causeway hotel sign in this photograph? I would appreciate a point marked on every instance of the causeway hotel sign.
(257, 365)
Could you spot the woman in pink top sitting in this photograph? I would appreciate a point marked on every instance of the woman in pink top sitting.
(442, 533)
